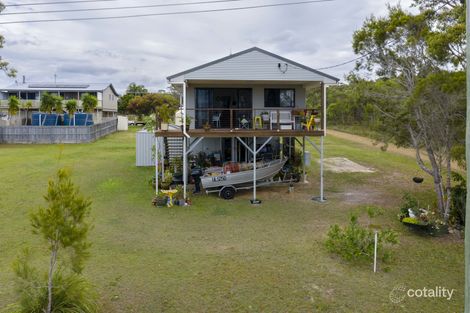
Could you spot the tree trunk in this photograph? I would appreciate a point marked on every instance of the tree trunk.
(50, 278)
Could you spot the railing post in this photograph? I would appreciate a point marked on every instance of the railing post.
(231, 118)
(278, 119)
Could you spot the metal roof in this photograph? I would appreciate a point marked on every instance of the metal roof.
(169, 78)
(48, 86)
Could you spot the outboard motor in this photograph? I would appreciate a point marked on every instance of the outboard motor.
(196, 173)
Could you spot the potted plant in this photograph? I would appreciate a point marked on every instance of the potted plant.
(207, 126)
(160, 200)
(165, 114)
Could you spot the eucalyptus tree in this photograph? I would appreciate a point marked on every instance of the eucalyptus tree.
(4, 65)
(422, 107)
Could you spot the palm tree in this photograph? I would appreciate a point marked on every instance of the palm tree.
(58, 107)
(89, 104)
(13, 106)
(71, 106)
(47, 105)
(27, 106)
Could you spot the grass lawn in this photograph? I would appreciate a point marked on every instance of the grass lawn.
(228, 256)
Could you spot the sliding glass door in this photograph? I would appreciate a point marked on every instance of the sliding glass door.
(223, 107)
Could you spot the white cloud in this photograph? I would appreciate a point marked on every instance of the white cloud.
(146, 50)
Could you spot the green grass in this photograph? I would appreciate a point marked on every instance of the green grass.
(228, 256)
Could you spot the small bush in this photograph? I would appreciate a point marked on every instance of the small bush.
(71, 293)
(356, 243)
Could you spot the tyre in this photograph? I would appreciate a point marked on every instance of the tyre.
(228, 193)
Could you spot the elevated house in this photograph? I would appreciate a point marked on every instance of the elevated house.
(246, 106)
(30, 91)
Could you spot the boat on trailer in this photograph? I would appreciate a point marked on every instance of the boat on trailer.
(227, 184)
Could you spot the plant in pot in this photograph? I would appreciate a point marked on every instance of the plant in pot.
(160, 200)
(165, 114)
(167, 180)
(207, 126)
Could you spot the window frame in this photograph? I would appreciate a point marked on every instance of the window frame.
(278, 102)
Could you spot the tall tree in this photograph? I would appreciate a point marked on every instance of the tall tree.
(400, 48)
(133, 90)
(4, 65)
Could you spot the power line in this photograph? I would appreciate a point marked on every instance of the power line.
(122, 8)
(57, 2)
(343, 63)
(165, 13)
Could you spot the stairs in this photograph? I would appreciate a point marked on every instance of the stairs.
(173, 148)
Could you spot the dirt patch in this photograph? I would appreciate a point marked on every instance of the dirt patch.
(344, 165)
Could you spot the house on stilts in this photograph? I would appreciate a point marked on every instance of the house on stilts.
(246, 107)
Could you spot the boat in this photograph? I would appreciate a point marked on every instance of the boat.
(265, 171)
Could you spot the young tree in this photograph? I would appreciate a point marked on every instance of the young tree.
(162, 106)
(27, 106)
(71, 107)
(13, 106)
(64, 228)
(89, 104)
(399, 48)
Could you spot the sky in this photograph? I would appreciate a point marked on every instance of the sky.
(146, 50)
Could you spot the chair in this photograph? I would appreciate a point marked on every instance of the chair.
(216, 119)
(244, 123)
(258, 121)
(285, 119)
(310, 123)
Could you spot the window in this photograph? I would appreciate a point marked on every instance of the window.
(284, 98)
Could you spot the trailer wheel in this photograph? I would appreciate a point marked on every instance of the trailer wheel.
(228, 192)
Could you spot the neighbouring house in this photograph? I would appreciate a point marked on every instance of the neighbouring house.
(250, 101)
(30, 91)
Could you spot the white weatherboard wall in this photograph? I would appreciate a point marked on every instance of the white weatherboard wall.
(253, 65)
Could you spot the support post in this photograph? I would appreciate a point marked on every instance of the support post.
(322, 198)
(303, 160)
(254, 201)
(185, 169)
(156, 165)
(467, 152)
(163, 163)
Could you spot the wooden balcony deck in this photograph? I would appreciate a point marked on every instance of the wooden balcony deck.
(221, 132)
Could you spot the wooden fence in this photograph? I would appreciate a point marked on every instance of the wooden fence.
(56, 134)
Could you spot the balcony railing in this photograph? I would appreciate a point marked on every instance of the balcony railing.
(37, 103)
(255, 119)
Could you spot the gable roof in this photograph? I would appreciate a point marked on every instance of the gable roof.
(244, 52)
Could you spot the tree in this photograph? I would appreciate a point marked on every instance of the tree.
(148, 104)
(49, 102)
(133, 90)
(64, 228)
(4, 65)
(13, 106)
(89, 104)
(27, 106)
(400, 48)
(71, 107)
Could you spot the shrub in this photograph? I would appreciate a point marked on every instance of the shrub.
(71, 293)
(356, 243)
(459, 194)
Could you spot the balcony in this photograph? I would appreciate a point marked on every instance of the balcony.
(37, 103)
(241, 122)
